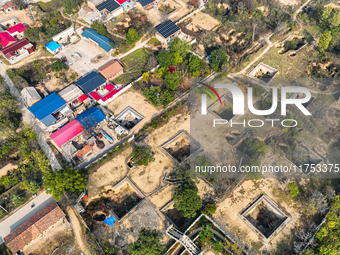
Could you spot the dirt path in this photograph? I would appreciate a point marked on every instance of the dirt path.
(77, 231)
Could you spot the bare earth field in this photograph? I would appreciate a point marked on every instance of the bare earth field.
(227, 212)
(205, 21)
(148, 178)
(163, 196)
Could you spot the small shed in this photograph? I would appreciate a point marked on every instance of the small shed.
(67, 32)
(30, 96)
(70, 93)
(53, 47)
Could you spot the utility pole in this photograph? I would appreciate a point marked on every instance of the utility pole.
(3, 209)
(71, 20)
(254, 32)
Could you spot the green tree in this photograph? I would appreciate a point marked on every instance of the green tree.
(254, 148)
(257, 14)
(58, 65)
(181, 46)
(151, 94)
(325, 40)
(206, 234)
(290, 45)
(172, 80)
(210, 209)
(148, 243)
(32, 187)
(293, 189)
(218, 58)
(142, 156)
(65, 180)
(32, 34)
(167, 58)
(71, 6)
(186, 199)
(195, 65)
(100, 28)
(218, 247)
(166, 97)
(132, 36)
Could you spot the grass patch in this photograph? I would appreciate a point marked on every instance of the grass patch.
(289, 67)
(136, 65)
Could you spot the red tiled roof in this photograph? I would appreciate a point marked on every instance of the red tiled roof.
(86, 149)
(8, 51)
(6, 38)
(111, 94)
(32, 228)
(17, 28)
(95, 96)
(8, 5)
(67, 132)
(110, 69)
(82, 98)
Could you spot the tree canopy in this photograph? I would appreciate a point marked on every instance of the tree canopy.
(172, 80)
(65, 180)
(181, 46)
(218, 58)
(142, 156)
(148, 243)
(58, 65)
(132, 36)
(186, 199)
(167, 58)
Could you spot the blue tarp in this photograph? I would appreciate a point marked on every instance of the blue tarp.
(91, 118)
(102, 41)
(90, 82)
(110, 220)
(47, 106)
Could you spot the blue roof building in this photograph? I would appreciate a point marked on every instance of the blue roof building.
(100, 40)
(91, 118)
(44, 109)
(53, 47)
(91, 81)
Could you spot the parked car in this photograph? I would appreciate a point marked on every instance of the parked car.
(76, 55)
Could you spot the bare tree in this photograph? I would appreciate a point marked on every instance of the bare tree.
(317, 203)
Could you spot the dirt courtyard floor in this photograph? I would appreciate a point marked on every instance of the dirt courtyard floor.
(205, 21)
(55, 240)
(163, 196)
(21, 16)
(108, 174)
(228, 210)
(148, 177)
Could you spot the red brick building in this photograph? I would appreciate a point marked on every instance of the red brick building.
(34, 227)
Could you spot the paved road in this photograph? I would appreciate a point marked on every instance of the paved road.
(30, 119)
(23, 214)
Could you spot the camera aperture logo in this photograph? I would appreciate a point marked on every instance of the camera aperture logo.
(239, 104)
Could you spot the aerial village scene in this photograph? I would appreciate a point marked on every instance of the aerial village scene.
(103, 104)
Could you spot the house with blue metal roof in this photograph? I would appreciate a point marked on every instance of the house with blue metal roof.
(100, 40)
(91, 82)
(91, 118)
(53, 47)
(46, 109)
